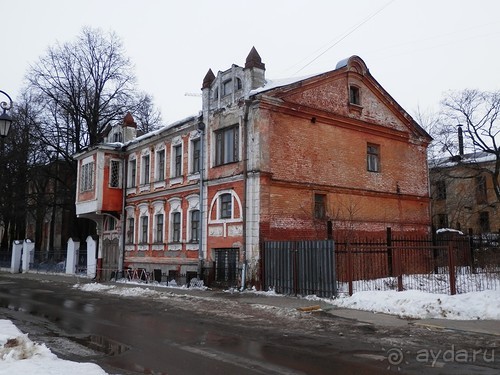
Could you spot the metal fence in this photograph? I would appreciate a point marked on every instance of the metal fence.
(299, 267)
(449, 263)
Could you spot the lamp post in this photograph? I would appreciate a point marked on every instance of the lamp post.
(5, 119)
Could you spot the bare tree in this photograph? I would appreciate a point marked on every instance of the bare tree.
(478, 114)
(81, 87)
(147, 116)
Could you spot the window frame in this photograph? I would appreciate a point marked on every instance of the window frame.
(226, 139)
(354, 95)
(481, 190)
(194, 226)
(440, 190)
(176, 226)
(118, 164)
(195, 155)
(144, 221)
(145, 169)
(132, 173)
(373, 158)
(177, 160)
(130, 230)
(87, 177)
(160, 157)
(159, 227)
(319, 206)
(226, 207)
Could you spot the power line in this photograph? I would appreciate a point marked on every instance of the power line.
(346, 35)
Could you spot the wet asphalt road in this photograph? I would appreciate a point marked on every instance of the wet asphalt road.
(178, 335)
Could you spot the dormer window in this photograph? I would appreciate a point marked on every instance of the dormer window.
(354, 97)
(238, 84)
(117, 137)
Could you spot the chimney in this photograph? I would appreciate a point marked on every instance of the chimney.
(460, 141)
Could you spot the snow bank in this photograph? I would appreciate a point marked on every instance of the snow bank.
(420, 305)
(20, 355)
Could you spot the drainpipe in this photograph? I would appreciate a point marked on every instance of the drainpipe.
(121, 258)
(245, 200)
(201, 129)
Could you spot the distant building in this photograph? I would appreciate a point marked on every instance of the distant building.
(280, 160)
(463, 195)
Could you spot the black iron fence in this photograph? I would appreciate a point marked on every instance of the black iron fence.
(299, 267)
(448, 263)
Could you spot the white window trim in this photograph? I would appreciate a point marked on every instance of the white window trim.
(215, 201)
(175, 206)
(177, 141)
(120, 174)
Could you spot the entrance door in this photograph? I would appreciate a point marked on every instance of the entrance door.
(110, 255)
(226, 266)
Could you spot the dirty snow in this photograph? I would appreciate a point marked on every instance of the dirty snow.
(20, 355)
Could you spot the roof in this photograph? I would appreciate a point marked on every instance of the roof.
(471, 158)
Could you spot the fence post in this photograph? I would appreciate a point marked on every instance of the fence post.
(15, 262)
(349, 268)
(72, 256)
(91, 257)
(295, 255)
(28, 254)
(451, 266)
(389, 252)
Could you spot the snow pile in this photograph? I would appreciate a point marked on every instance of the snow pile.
(20, 355)
(420, 305)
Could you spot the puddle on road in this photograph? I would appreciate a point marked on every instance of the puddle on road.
(105, 345)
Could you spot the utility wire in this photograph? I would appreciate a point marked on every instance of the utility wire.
(346, 35)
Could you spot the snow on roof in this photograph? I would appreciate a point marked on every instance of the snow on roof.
(472, 158)
(274, 83)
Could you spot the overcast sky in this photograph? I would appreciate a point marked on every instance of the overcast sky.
(416, 49)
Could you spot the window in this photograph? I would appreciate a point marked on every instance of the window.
(130, 230)
(177, 161)
(87, 177)
(132, 167)
(110, 224)
(176, 227)
(226, 147)
(373, 158)
(195, 156)
(484, 221)
(160, 165)
(117, 137)
(442, 220)
(440, 190)
(145, 170)
(159, 228)
(144, 229)
(481, 192)
(227, 87)
(238, 84)
(115, 174)
(354, 95)
(195, 226)
(226, 201)
(319, 206)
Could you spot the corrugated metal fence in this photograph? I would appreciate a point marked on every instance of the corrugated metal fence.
(300, 267)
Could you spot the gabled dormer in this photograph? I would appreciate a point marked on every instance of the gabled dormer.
(234, 84)
(124, 132)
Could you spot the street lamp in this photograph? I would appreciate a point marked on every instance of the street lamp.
(5, 119)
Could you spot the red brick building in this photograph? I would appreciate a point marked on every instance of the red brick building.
(281, 160)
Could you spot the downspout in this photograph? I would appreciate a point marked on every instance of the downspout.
(201, 129)
(245, 200)
(121, 258)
